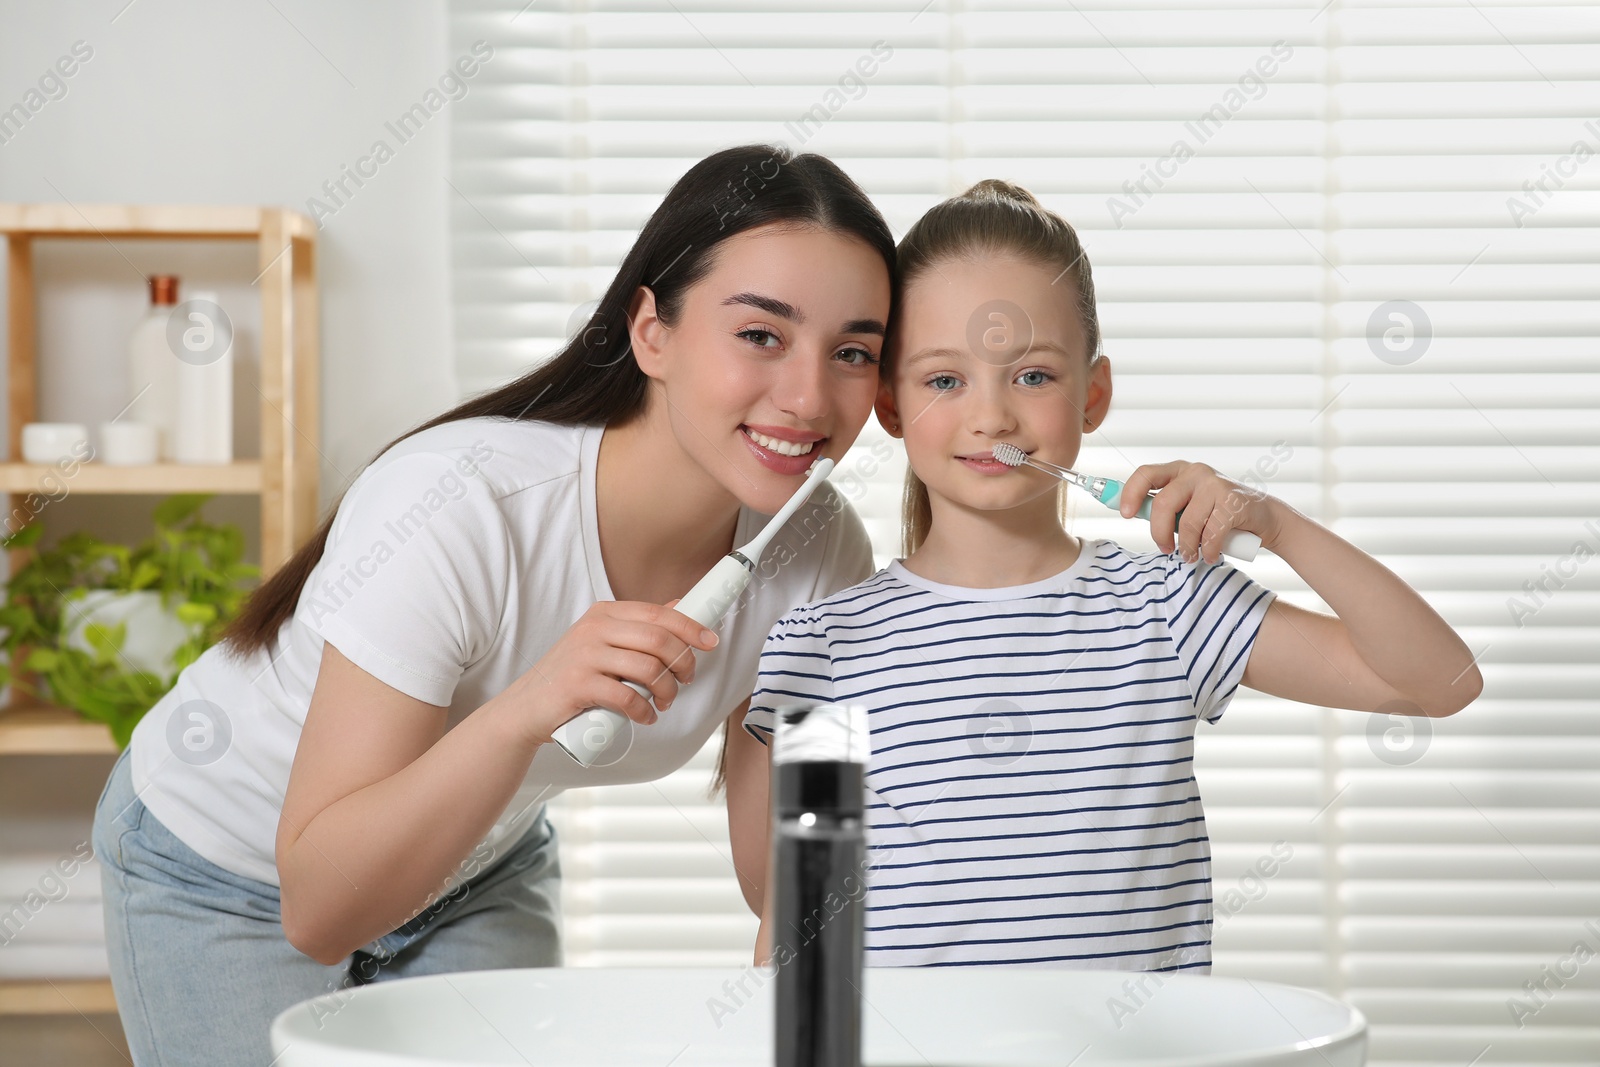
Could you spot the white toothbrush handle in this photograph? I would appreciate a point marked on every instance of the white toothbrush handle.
(1241, 544)
(590, 732)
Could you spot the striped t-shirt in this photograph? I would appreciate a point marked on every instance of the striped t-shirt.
(1031, 796)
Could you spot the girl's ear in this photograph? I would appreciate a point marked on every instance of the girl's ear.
(1097, 398)
(888, 416)
(646, 332)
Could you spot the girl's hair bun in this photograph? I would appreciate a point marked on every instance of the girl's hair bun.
(999, 191)
(995, 216)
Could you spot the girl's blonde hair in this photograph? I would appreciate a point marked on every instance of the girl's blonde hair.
(993, 217)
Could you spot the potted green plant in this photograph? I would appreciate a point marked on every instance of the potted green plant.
(67, 611)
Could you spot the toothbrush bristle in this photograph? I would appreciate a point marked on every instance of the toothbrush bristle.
(1009, 454)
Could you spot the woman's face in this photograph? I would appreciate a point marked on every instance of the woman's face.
(990, 349)
(773, 361)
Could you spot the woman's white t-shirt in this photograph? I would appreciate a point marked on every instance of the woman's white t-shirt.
(455, 561)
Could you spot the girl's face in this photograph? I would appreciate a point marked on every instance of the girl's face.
(990, 349)
(774, 359)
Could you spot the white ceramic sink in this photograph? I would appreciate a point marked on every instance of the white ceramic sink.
(927, 1017)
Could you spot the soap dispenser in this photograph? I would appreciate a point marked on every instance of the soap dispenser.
(152, 369)
(818, 872)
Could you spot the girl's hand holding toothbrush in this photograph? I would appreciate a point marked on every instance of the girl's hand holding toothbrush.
(1384, 649)
(615, 639)
(1211, 503)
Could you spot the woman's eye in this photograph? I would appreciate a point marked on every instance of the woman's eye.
(1039, 376)
(754, 335)
(936, 379)
(867, 358)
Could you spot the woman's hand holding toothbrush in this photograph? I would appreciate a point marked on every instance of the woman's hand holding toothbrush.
(1212, 505)
(614, 641)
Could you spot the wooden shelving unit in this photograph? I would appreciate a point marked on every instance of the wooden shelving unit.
(35, 729)
(285, 477)
(57, 996)
(241, 476)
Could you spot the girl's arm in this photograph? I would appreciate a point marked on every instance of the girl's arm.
(1383, 649)
(749, 817)
(764, 933)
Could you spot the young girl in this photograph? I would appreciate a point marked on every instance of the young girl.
(1032, 695)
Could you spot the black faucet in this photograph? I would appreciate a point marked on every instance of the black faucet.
(819, 890)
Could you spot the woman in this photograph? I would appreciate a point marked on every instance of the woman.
(351, 786)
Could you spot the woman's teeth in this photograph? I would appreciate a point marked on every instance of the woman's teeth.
(783, 448)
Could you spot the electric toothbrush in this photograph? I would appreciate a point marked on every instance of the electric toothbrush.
(586, 735)
(1240, 544)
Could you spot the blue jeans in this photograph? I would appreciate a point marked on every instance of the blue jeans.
(200, 964)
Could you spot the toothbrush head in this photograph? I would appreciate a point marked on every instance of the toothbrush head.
(1012, 456)
(1009, 454)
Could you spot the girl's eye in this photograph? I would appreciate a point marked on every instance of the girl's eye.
(942, 378)
(1041, 377)
(867, 358)
(754, 333)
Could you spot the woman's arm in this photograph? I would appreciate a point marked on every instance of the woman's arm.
(382, 805)
(749, 818)
(1383, 648)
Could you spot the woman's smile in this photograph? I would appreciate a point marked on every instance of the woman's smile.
(783, 450)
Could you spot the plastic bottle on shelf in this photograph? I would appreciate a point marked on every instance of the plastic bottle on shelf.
(152, 368)
(203, 343)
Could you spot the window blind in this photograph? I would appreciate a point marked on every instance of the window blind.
(1344, 252)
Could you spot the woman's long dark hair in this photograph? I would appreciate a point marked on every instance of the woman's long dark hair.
(594, 378)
